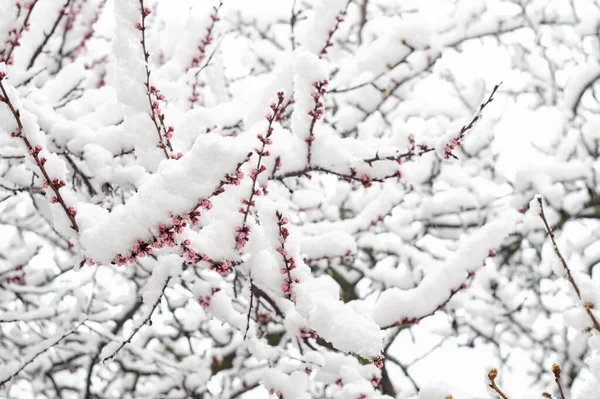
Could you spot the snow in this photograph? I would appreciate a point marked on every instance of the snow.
(331, 244)
(176, 188)
(314, 34)
(334, 321)
(289, 386)
(170, 267)
(33, 352)
(579, 82)
(400, 247)
(441, 391)
(395, 305)
(308, 69)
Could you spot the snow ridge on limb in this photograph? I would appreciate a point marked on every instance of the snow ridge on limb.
(396, 306)
(176, 187)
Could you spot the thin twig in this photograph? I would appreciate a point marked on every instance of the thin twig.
(363, 19)
(556, 371)
(163, 141)
(29, 361)
(293, 20)
(249, 308)
(492, 376)
(54, 184)
(588, 305)
(139, 327)
(62, 12)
